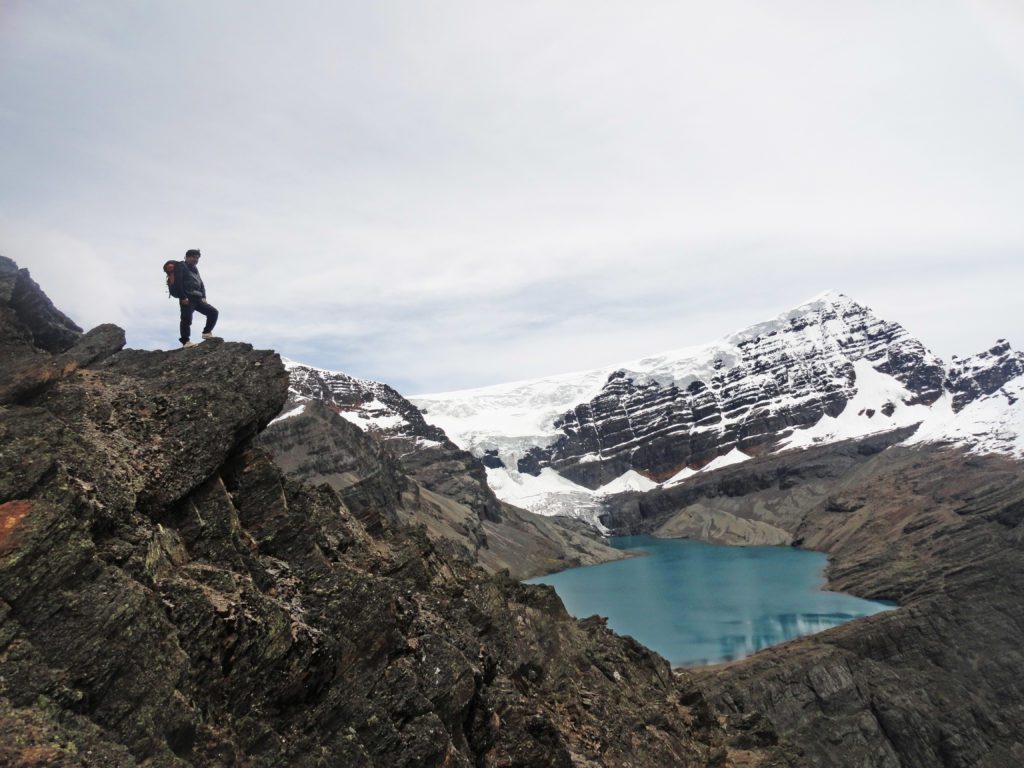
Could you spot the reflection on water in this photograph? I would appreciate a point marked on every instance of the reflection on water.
(699, 603)
(769, 630)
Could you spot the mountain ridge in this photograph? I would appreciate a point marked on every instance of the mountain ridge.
(427, 479)
(170, 597)
(884, 480)
(758, 390)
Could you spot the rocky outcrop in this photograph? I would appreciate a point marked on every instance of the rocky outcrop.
(933, 683)
(424, 450)
(29, 315)
(984, 373)
(39, 344)
(373, 447)
(318, 447)
(763, 501)
(169, 598)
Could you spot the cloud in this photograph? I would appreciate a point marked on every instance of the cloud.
(463, 193)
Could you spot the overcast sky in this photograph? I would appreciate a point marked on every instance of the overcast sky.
(450, 194)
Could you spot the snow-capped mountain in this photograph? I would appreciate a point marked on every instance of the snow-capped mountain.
(982, 406)
(825, 371)
(370, 405)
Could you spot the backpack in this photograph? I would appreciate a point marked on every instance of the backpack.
(173, 271)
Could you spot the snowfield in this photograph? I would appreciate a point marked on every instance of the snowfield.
(825, 346)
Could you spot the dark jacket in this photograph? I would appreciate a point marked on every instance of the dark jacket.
(191, 283)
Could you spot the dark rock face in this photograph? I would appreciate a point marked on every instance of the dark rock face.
(984, 373)
(31, 313)
(31, 328)
(783, 378)
(318, 447)
(442, 491)
(491, 460)
(424, 450)
(534, 460)
(168, 598)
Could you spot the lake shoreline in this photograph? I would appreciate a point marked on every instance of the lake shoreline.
(698, 603)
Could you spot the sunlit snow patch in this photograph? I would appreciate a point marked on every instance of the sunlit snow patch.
(373, 415)
(735, 456)
(547, 494)
(864, 413)
(685, 474)
(631, 480)
(289, 414)
(991, 424)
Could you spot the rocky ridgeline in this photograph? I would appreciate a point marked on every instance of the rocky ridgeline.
(983, 374)
(168, 597)
(424, 450)
(374, 448)
(380, 406)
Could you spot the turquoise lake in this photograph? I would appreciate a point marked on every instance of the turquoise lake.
(697, 603)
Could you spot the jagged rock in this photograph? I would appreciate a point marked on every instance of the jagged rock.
(984, 373)
(30, 315)
(318, 447)
(843, 504)
(31, 327)
(445, 488)
(169, 598)
(424, 450)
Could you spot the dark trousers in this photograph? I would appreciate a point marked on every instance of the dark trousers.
(195, 305)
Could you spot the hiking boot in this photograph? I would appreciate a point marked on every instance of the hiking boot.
(187, 344)
(208, 336)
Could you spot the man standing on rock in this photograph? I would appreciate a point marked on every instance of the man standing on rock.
(192, 296)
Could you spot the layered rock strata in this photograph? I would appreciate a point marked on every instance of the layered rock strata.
(983, 374)
(682, 410)
(761, 385)
(425, 451)
(169, 598)
(369, 442)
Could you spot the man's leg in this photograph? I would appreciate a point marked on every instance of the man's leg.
(186, 321)
(211, 316)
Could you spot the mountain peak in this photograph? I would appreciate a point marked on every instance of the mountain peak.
(827, 297)
(826, 306)
(743, 395)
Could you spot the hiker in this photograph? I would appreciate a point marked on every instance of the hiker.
(192, 295)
